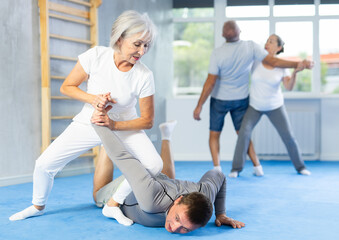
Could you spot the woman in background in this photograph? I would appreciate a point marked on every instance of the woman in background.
(266, 98)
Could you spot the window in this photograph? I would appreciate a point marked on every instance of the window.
(193, 12)
(298, 38)
(256, 30)
(329, 55)
(329, 9)
(197, 31)
(293, 10)
(193, 8)
(247, 11)
(192, 46)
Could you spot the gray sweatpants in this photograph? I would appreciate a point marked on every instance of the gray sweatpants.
(153, 196)
(280, 121)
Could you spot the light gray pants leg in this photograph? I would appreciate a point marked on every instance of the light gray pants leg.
(249, 121)
(148, 192)
(280, 121)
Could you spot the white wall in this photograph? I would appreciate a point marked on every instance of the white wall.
(190, 139)
(330, 129)
(20, 89)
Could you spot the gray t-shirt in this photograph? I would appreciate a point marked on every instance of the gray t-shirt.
(232, 62)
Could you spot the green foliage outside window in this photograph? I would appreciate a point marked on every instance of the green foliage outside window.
(193, 44)
(193, 12)
(303, 82)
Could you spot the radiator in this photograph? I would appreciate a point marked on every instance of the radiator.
(268, 142)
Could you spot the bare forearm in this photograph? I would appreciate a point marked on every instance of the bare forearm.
(204, 95)
(206, 91)
(132, 125)
(78, 94)
(70, 87)
(289, 84)
(278, 62)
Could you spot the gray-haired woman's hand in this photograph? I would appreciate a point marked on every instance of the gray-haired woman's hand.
(101, 118)
(101, 100)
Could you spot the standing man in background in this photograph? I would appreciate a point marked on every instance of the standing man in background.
(227, 83)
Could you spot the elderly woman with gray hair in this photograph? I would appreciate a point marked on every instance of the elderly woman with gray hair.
(116, 80)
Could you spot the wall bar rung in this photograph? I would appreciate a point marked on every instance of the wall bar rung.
(88, 155)
(87, 4)
(63, 58)
(78, 40)
(61, 78)
(61, 98)
(70, 19)
(58, 77)
(68, 10)
(61, 117)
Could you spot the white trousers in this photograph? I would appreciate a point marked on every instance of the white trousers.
(79, 138)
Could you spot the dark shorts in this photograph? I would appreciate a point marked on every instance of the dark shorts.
(219, 109)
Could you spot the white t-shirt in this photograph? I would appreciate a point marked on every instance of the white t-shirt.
(265, 90)
(125, 87)
(232, 62)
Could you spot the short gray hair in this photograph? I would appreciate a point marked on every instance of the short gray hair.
(130, 23)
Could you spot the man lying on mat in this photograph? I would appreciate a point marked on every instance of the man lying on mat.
(180, 206)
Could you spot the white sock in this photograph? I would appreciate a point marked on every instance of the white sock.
(218, 168)
(116, 213)
(233, 174)
(258, 171)
(26, 213)
(305, 172)
(166, 129)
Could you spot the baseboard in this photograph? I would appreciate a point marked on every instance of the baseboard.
(75, 171)
(200, 157)
(329, 157)
(229, 157)
(286, 157)
(67, 172)
(6, 181)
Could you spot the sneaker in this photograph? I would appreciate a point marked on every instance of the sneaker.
(305, 172)
(258, 171)
(233, 174)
